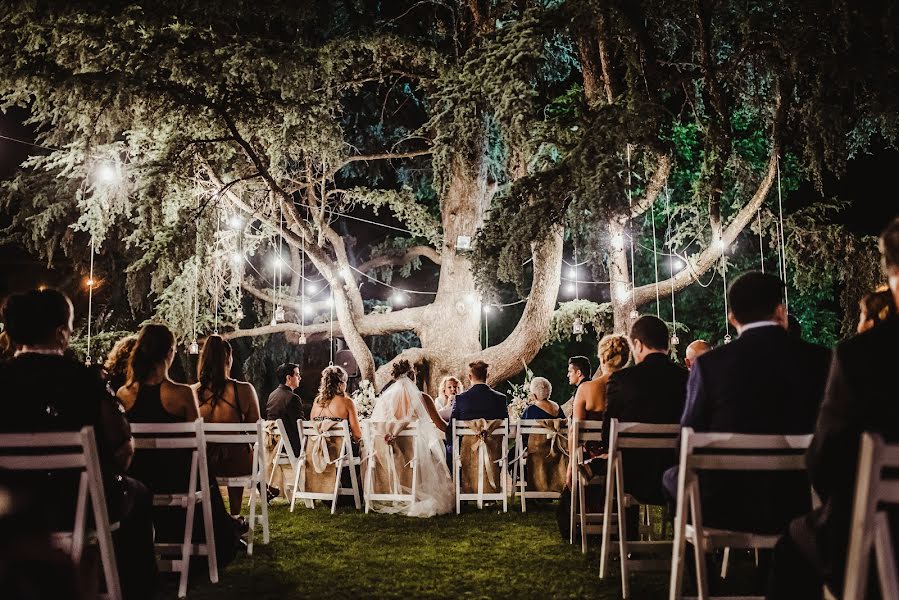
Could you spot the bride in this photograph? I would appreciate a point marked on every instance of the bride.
(402, 401)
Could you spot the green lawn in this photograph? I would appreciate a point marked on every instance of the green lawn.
(479, 554)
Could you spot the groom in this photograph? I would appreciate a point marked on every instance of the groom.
(480, 401)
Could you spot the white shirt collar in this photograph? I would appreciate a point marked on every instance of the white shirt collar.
(758, 324)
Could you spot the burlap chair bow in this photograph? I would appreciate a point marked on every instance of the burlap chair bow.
(480, 456)
(392, 455)
(547, 464)
(318, 452)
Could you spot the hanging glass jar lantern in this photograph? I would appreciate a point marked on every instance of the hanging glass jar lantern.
(635, 314)
(675, 340)
(302, 340)
(194, 348)
(279, 314)
(727, 339)
(577, 328)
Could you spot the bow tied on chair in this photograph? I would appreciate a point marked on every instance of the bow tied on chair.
(385, 436)
(483, 430)
(321, 457)
(558, 441)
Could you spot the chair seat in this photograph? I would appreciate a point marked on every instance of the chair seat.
(732, 539)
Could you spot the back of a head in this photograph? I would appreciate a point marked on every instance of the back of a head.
(118, 358)
(755, 296)
(613, 352)
(285, 370)
(478, 370)
(651, 332)
(152, 347)
(32, 318)
(697, 348)
(889, 252)
(329, 385)
(212, 368)
(582, 364)
(401, 368)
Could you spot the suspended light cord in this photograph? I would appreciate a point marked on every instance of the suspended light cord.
(331, 329)
(577, 295)
(486, 327)
(655, 258)
(303, 291)
(90, 302)
(783, 240)
(670, 260)
(18, 141)
(631, 226)
(761, 240)
(218, 227)
(724, 279)
(280, 270)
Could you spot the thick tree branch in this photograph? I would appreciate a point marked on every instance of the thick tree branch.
(291, 302)
(653, 188)
(403, 259)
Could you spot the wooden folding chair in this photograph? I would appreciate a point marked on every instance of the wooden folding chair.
(283, 454)
(391, 464)
(547, 451)
(70, 451)
(622, 436)
(877, 484)
(489, 440)
(580, 433)
(173, 436)
(731, 452)
(245, 433)
(326, 449)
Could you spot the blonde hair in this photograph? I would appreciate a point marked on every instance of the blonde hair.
(443, 385)
(541, 387)
(329, 386)
(614, 352)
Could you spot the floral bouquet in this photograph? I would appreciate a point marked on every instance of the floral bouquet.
(521, 395)
(364, 398)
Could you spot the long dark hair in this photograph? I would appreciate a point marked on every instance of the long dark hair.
(212, 370)
(154, 342)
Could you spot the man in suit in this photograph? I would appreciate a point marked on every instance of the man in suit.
(651, 391)
(479, 401)
(860, 397)
(765, 382)
(284, 403)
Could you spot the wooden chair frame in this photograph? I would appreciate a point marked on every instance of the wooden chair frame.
(74, 450)
(519, 481)
(622, 436)
(245, 433)
(706, 539)
(283, 454)
(371, 463)
(170, 436)
(461, 429)
(345, 460)
(590, 523)
(870, 529)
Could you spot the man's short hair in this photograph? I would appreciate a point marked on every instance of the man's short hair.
(651, 331)
(479, 369)
(541, 387)
(755, 296)
(32, 318)
(889, 245)
(285, 370)
(581, 363)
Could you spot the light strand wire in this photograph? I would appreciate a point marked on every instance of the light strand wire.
(670, 260)
(655, 258)
(783, 239)
(90, 301)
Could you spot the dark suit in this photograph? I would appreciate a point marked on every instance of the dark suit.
(861, 396)
(480, 401)
(653, 391)
(284, 404)
(763, 382)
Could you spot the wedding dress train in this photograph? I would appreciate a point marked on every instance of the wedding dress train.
(402, 402)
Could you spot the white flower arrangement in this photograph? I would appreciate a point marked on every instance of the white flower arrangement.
(521, 395)
(364, 398)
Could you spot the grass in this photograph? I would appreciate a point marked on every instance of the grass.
(478, 554)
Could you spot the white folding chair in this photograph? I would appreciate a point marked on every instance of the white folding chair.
(319, 440)
(245, 433)
(557, 442)
(479, 431)
(283, 454)
(723, 452)
(70, 451)
(189, 436)
(622, 436)
(389, 445)
(870, 529)
(581, 432)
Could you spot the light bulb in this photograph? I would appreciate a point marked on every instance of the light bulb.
(329, 302)
(88, 361)
(237, 258)
(570, 288)
(239, 314)
(311, 288)
(572, 272)
(307, 310)
(677, 264)
(720, 245)
(398, 298)
(488, 309)
(236, 222)
(107, 173)
(277, 262)
(194, 348)
(618, 241)
(89, 282)
(346, 273)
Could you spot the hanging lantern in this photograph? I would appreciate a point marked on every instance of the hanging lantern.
(239, 314)
(302, 340)
(727, 339)
(279, 314)
(577, 328)
(194, 348)
(635, 314)
(88, 361)
(675, 340)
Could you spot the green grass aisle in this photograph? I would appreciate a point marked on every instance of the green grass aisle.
(479, 554)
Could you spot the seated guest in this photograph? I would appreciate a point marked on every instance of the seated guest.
(696, 349)
(449, 387)
(332, 402)
(652, 391)
(283, 403)
(613, 352)
(875, 308)
(480, 401)
(541, 406)
(765, 382)
(7, 347)
(150, 396)
(49, 392)
(225, 400)
(116, 365)
(860, 397)
(578, 373)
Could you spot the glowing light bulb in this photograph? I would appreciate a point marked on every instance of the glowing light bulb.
(570, 288)
(346, 273)
(302, 340)
(398, 298)
(89, 282)
(237, 258)
(311, 288)
(488, 309)
(677, 264)
(107, 173)
(618, 241)
(329, 302)
(720, 245)
(572, 272)
(277, 262)
(307, 310)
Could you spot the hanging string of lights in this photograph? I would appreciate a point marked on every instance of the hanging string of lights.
(655, 257)
(634, 313)
(90, 302)
(783, 241)
(668, 242)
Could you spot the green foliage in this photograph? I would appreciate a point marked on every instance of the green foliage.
(598, 317)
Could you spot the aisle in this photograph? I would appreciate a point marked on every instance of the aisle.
(476, 555)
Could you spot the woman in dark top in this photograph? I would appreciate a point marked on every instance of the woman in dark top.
(150, 396)
(225, 400)
(541, 406)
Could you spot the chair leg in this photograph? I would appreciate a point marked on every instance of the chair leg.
(573, 504)
(582, 505)
(678, 548)
(725, 561)
(254, 494)
(354, 483)
(187, 540)
(296, 486)
(622, 532)
(606, 520)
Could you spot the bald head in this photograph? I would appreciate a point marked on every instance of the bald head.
(695, 350)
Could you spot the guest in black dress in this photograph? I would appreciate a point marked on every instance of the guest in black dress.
(150, 396)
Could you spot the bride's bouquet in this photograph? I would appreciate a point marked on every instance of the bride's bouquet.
(364, 398)
(521, 395)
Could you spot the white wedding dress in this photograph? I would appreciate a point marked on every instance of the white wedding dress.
(435, 495)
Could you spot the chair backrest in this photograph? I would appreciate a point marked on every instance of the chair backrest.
(742, 451)
(392, 454)
(547, 453)
(585, 431)
(70, 451)
(642, 435)
(168, 436)
(467, 438)
(284, 439)
(877, 484)
(538, 427)
(234, 433)
(325, 448)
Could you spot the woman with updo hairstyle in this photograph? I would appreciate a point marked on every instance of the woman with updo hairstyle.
(225, 400)
(875, 308)
(401, 399)
(614, 353)
(332, 402)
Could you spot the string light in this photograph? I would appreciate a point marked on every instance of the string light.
(90, 303)
(194, 347)
(570, 288)
(107, 174)
(236, 222)
(783, 239)
(655, 257)
(305, 309)
(398, 298)
(676, 263)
